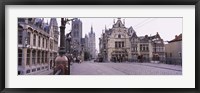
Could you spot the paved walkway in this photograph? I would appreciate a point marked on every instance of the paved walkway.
(91, 68)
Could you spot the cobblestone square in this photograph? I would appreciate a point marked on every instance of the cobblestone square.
(129, 68)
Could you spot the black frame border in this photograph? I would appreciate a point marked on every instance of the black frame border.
(3, 3)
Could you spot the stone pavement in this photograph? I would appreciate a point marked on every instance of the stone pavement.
(43, 72)
(91, 68)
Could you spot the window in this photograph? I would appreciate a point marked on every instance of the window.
(76, 26)
(28, 57)
(51, 44)
(39, 41)
(38, 57)
(19, 72)
(115, 44)
(28, 71)
(119, 36)
(147, 48)
(20, 34)
(19, 57)
(43, 57)
(21, 19)
(43, 42)
(180, 54)
(33, 57)
(170, 54)
(122, 44)
(46, 57)
(28, 38)
(46, 43)
(119, 44)
(33, 70)
(34, 40)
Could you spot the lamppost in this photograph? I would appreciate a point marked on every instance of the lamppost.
(62, 61)
(69, 50)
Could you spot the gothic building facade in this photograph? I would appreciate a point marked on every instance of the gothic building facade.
(37, 45)
(120, 44)
(76, 34)
(92, 43)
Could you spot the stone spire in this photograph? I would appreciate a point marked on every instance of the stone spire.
(91, 29)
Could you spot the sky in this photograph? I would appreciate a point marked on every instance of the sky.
(166, 27)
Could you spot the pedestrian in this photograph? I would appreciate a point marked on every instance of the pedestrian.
(138, 58)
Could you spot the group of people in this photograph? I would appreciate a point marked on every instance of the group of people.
(77, 60)
(119, 59)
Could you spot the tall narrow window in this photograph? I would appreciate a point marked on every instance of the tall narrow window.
(42, 56)
(46, 57)
(20, 34)
(34, 40)
(119, 44)
(38, 57)
(19, 57)
(39, 41)
(28, 57)
(147, 48)
(33, 57)
(43, 42)
(170, 54)
(28, 38)
(115, 44)
(122, 44)
(47, 43)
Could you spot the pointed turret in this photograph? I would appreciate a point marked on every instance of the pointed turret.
(91, 29)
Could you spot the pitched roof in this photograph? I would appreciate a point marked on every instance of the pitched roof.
(177, 38)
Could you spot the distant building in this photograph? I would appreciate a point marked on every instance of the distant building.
(174, 50)
(121, 44)
(37, 45)
(86, 43)
(76, 34)
(92, 43)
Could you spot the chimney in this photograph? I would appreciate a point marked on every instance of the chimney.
(176, 36)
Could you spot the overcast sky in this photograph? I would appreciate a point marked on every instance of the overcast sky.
(166, 27)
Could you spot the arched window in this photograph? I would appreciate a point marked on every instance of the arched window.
(28, 38)
(119, 36)
(19, 57)
(34, 40)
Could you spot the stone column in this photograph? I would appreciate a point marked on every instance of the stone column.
(24, 60)
(48, 59)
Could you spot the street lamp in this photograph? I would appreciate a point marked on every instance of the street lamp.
(62, 60)
(69, 50)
